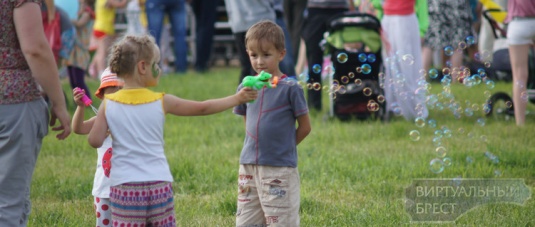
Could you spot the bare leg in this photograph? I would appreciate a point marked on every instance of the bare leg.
(472, 50)
(427, 57)
(519, 64)
(456, 61)
(301, 58)
(102, 53)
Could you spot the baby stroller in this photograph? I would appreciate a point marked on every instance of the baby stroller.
(354, 44)
(500, 103)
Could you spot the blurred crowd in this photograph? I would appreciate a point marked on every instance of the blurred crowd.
(451, 35)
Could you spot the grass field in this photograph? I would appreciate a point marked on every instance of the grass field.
(352, 173)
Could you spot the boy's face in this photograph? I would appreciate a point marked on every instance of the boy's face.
(264, 56)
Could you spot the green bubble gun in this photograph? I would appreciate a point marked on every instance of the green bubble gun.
(259, 81)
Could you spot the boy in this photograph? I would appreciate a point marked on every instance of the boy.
(268, 183)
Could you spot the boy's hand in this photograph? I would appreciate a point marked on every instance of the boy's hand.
(247, 94)
(77, 95)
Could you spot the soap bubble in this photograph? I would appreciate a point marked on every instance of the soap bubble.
(414, 135)
(342, 57)
(448, 50)
(363, 57)
(371, 58)
(436, 165)
(441, 152)
(316, 68)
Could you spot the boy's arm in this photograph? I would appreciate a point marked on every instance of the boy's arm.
(303, 128)
(98, 133)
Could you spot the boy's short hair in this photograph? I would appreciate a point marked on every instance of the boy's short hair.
(267, 31)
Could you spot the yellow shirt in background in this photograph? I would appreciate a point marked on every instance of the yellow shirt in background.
(104, 18)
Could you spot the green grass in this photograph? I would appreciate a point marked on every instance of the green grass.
(352, 173)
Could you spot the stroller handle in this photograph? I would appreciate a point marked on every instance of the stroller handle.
(351, 18)
(487, 14)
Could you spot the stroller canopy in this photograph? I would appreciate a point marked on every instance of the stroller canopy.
(370, 38)
(352, 28)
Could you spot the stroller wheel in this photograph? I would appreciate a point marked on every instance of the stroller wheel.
(501, 105)
(362, 116)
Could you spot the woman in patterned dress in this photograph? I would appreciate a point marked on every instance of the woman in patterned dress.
(449, 25)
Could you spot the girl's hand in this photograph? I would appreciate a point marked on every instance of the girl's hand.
(247, 94)
(77, 95)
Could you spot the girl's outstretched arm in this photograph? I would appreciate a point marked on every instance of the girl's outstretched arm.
(183, 107)
(98, 133)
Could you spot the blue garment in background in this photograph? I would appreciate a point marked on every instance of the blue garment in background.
(176, 10)
(70, 6)
(287, 65)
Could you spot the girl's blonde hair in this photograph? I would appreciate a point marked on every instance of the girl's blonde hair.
(128, 51)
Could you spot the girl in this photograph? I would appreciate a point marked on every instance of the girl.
(104, 30)
(141, 191)
(79, 58)
(109, 84)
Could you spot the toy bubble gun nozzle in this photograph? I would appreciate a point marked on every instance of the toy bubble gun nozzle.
(260, 81)
(86, 100)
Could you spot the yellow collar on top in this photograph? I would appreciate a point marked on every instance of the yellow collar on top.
(135, 96)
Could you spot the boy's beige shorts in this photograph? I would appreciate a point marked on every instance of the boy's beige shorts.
(268, 195)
